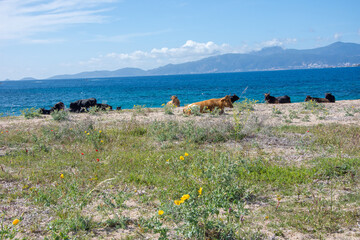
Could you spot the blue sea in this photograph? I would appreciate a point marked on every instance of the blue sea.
(153, 91)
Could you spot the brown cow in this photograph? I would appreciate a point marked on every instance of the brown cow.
(319, 100)
(210, 105)
(174, 101)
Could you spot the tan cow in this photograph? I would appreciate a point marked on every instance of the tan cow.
(210, 105)
(174, 101)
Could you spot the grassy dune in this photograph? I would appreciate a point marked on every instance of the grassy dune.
(257, 172)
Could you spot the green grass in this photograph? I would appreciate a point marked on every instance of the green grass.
(104, 167)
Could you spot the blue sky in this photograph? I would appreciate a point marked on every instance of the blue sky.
(44, 38)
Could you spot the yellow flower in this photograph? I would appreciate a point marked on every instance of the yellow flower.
(185, 197)
(168, 159)
(163, 104)
(266, 217)
(61, 175)
(182, 158)
(278, 197)
(161, 212)
(100, 131)
(88, 133)
(200, 191)
(16, 221)
(85, 132)
(181, 201)
(186, 154)
(102, 141)
(177, 202)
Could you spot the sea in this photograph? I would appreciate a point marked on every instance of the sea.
(153, 91)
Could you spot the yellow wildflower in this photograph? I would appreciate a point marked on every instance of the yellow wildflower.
(200, 191)
(163, 104)
(102, 141)
(61, 175)
(85, 132)
(161, 212)
(168, 160)
(185, 197)
(88, 133)
(182, 158)
(16, 221)
(266, 217)
(278, 197)
(177, 202)
(186, 154)
(100, 131)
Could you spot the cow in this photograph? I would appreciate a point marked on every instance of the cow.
(330, 97)
(104, 107)
(45, 111)
(318, 100)
(82, 105)
(174, 101)
(210, 105)
(277, 100)
(234, 98)
(57, 107)
(118, 108)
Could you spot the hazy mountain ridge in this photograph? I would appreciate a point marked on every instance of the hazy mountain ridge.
(338, 54)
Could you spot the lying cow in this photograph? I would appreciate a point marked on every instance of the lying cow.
(104, 107)
(174, 101)
(276, 100)
(234, 98)
(82, 105)
(328, 98)
(57, 107)
(210, 105)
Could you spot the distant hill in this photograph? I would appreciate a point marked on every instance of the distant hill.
(99, 74)
(338, 54)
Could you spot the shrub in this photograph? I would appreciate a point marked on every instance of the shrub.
(30, 113)
(60, 115)
(168, 108)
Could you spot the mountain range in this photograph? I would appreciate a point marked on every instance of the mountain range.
(338, 54)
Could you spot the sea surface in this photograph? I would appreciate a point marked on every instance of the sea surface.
(153, 91)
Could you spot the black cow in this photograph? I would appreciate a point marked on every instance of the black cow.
(58, 106)
(118, 108)
(234, 98)
(45, 111)
(82, 105)
(276, 100)
(330, 97)
(103, 106)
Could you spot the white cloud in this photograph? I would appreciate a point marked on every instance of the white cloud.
(23, 18)
(190, 51)
(276, 42)
(338, 36)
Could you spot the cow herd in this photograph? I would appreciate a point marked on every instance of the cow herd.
(83, 105)
(79, 106)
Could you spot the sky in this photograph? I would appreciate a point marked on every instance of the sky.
(41, 38)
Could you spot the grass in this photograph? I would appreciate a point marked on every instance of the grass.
(81, 177)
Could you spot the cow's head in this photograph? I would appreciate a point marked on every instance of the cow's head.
(267, 96)
(234, 98)
(226, 101)
(174, 97)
